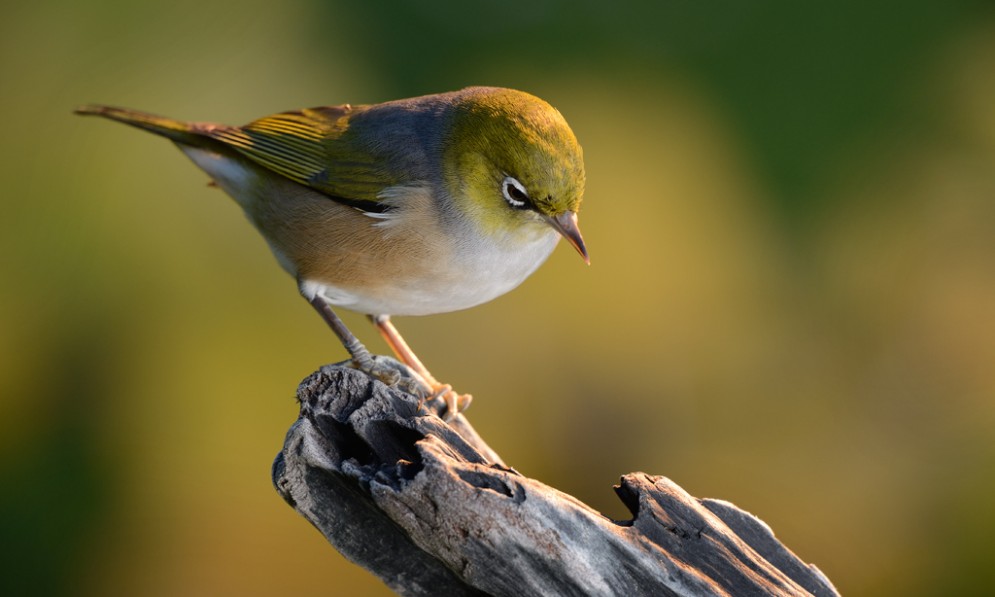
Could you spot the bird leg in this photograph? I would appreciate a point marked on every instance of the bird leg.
(361, 356)
(455, 403)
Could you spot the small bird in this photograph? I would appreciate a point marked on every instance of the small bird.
(410, 207)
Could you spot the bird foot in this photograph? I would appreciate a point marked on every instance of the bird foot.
(392, 373)
(454, 402)
(402, 377)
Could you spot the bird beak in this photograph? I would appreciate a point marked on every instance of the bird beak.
(566, 224)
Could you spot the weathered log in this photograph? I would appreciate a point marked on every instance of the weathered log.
(428, 507)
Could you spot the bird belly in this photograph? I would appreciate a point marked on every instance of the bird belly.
(443, 284)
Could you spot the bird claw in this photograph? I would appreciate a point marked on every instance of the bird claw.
(399, 376)
(455, 403)
(385, 371)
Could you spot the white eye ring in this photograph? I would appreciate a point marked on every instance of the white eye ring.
(514, 193)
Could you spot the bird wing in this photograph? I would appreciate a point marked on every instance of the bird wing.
(316, 148)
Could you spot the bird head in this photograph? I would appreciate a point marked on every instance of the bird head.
(512, 164)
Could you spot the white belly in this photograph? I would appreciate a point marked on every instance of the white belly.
(470, 278)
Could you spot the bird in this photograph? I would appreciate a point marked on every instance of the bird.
(416, 206)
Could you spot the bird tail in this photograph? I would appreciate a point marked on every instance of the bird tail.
(189, 133)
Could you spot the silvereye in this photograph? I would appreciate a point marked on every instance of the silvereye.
(412, 207)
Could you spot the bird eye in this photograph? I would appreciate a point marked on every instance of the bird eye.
(514, 193)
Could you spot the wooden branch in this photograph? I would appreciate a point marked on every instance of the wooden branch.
(429, 508)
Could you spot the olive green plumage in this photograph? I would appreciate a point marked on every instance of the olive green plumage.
(354, 152)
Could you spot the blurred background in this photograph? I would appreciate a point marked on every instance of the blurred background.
(791, 306)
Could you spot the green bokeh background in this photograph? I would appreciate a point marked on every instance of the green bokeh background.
(791, 217)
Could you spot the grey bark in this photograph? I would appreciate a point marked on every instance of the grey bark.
(429, 508)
